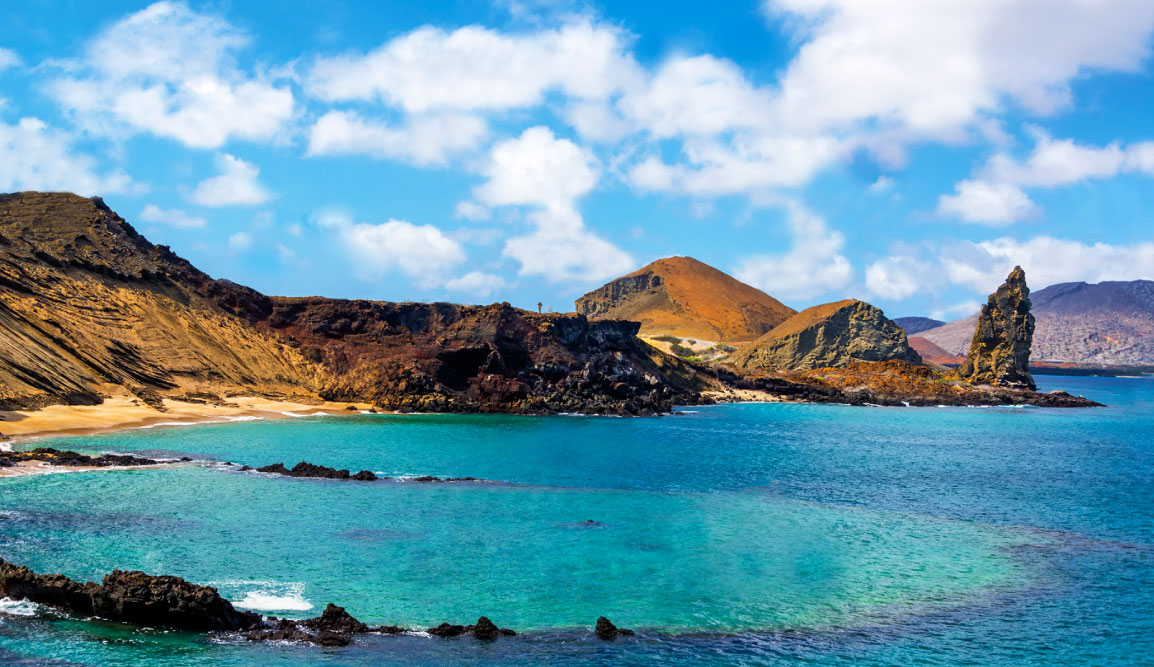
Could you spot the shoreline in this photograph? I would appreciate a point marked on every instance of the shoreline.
(124, 412)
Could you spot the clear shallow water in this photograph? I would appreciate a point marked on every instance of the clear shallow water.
(730, 535)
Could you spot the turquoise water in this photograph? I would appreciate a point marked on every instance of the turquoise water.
(741, 534)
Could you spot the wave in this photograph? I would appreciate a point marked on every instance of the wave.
(265, 595)
(10, 607)
(298, 415)
(159, 424)
(5, 446)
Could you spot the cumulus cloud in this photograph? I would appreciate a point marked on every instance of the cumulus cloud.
(997, 196)
(549, 174)
(813, 265)
(170, 71)
(422, 252)
(984, 265)
(987, 203)
(898, 277)
(428, 139)
(34, 156)
(237, 185)
(476, 283)
(173, 217)
(475, 68)
(935, 68)
(240, 241)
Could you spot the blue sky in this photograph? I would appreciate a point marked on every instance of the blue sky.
(530, 150)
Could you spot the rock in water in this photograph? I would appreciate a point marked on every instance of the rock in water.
(1000, 350)
(829, 335)
(129, 597)
(606, 630)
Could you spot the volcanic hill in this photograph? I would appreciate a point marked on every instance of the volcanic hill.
(829, 335)
(683, 297)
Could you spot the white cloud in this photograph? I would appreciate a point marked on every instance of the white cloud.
(475, 68)
(170, 71)
(173, 217)
(937, 67)
(422, 139)
(477, 283)
(997, 197)
(987, 203)
(964, 309)
(240, 241)
(813, 265)
(237, 185)
(537, 169)
(422, 252)
(898, 277)
(1047, 260)
(286, 254)
(471, 210)
(34, 156)
(882, 184)
(8, 58)
(562, 249)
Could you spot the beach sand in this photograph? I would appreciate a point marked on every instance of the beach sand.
(124, 411)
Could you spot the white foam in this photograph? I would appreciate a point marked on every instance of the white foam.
(159, 424)
(5, 446)
(259, 601)
(243, 418)
(267, 595)
(10, 607)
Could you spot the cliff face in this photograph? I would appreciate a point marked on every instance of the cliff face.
(88, 307)
(830, 335)
(87, 303)
(684, 297)
(447, 357)
(1000, 350)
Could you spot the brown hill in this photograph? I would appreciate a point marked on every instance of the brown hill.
(687, 298)
(829, 335)
(928, 351)
(89, 306)
(85, 302)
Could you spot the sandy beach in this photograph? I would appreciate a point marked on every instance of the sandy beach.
(125, 411)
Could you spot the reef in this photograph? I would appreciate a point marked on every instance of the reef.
(70, 459)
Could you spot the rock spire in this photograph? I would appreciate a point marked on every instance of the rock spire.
(1000, 349)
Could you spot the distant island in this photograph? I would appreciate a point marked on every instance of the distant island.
(93, 314)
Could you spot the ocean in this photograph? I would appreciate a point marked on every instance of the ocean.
(728, 535)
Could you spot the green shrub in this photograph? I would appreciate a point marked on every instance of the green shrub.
(666, 338)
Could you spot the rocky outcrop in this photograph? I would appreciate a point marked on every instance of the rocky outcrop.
(683, 297)
(606, 630)
(69, 459)
(129, 597)
(830, 335)
(443, 357)
(305, 469)
(87, 302)
(483, 629)
(1000, 349)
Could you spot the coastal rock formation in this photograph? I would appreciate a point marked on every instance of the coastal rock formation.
(129, 597)
(88, 306)
(305, 469)
(684, 297)
(1000, 350)
(1105, 324)
(830, 335)
(443, 357)
(482, 629)
(606, 630)
(87, 302)
(69, 459)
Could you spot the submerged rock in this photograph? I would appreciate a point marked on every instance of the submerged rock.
(1000, 349)
(606, 630)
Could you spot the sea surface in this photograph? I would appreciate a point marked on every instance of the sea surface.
(728, 535)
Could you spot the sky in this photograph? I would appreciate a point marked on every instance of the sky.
(904, 153)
